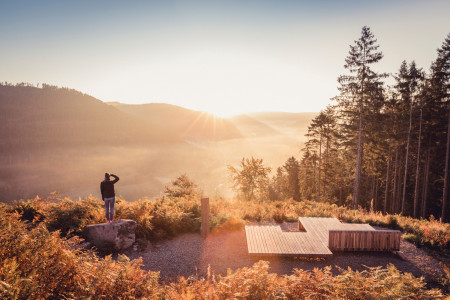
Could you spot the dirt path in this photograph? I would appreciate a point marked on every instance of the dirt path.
(190, 254)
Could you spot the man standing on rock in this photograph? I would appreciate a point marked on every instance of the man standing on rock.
(108, 195)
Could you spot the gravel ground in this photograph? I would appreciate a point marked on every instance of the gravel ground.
(190, 254)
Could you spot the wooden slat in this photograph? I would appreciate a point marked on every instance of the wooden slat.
(357, 240)
(321, 235)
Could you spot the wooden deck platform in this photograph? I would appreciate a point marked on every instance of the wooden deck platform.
(311, 241)
(270, 240)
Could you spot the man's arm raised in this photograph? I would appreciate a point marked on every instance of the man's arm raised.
(115, 178)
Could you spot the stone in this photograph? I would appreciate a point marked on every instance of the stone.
(117, 235)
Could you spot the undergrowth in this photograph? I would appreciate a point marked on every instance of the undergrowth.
(170, 216)
(38, 264)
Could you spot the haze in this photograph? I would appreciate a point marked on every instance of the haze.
(223, 57)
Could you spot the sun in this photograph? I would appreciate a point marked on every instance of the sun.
(225, 111)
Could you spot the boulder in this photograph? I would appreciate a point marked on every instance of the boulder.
(116, 235)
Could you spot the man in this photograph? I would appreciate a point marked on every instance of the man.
(108, 195)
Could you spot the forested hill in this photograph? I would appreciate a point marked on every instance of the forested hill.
(44, 118)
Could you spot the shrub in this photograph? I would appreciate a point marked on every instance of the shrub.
(72, 216)
(38, 264)
(257, 283)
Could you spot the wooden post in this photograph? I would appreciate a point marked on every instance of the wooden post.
(205, 217)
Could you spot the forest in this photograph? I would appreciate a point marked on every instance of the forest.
(378, 146)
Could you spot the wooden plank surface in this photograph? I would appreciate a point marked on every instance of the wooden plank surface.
(316, 240)
(271, 240)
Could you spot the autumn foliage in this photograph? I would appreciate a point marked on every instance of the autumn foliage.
(37, 262)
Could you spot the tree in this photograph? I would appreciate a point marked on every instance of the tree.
(416, 184)
(358, 88)
(251, 179)
(408, 81)
(278, 185)
(322, 135)
(307, 176)
(182, 186)
(292, 167)
(440, 79)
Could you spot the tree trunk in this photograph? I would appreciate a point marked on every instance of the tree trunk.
(399, 185)
(358, 160)
(394, 189)
(314, 177)
(386, 192)
(445, 214)
(376, 205)
(425, 185)
(320, 165)
(416, 188)
(325, 165)
(406, 158)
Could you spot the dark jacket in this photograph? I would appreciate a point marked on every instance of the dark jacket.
(107, 187)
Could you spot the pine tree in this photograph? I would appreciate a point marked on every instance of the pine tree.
(440, 83)
(408, 80)
(292, 167)
(358, 88)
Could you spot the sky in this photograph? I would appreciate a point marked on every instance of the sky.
(224, 57)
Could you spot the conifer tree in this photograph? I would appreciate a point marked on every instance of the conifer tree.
(292, 167)
(358, 88)
(441, 88)
(408, 80)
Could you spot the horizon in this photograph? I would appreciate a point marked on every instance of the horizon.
(222, 58)
(219, 116)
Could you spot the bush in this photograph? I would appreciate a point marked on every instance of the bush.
(38, 264)
(70, 216)
(257, 283)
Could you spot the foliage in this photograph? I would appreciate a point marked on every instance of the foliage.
(257, 283)
(168, 217)
(386, 144)
(38, 264)
(72, 216)
(251, 179)
(182, 186)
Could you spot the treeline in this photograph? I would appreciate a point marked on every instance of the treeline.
(380, 146)
(384, 148)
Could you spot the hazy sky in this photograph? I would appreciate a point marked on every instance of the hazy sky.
(223, 57)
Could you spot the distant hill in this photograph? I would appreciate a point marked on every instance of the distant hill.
(187, 124)
(54, 139)
(34, 118)
(251, 127)
(58, 139)
(285, 122)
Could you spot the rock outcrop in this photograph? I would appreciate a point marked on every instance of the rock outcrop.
(116, 235)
